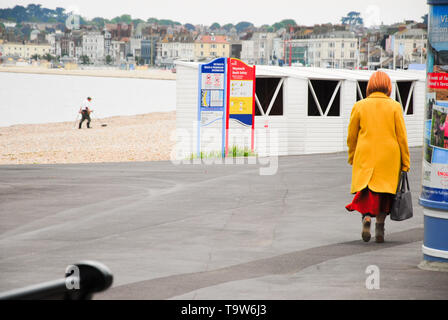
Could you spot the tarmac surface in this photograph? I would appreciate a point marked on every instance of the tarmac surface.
(194, 231)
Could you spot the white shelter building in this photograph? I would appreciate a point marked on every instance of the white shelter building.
(308, 108)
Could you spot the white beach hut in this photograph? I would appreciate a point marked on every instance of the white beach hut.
(306, 110)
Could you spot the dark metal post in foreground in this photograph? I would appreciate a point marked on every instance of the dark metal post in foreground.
(92, 277)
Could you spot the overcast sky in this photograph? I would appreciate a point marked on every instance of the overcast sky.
(233, 11)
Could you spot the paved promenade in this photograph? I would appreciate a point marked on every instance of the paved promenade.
(208, 232)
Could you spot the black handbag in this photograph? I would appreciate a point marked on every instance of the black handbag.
(402, 202)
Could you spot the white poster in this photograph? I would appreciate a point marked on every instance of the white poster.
(241, 88)
(212, 81)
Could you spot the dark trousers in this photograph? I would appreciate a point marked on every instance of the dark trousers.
(85, 116)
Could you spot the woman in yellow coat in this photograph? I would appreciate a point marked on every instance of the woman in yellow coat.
(378, 151)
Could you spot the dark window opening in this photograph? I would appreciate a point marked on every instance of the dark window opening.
(265, 89)
(363, 87)
(324, 90)
(404, 89)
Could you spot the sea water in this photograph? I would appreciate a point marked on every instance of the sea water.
(40, 98)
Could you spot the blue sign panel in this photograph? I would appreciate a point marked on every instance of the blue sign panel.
(212, 97)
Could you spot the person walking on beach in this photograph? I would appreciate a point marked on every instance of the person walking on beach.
(378, 150)
(85, 111)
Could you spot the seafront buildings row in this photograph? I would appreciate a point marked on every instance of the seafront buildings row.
(122, 44)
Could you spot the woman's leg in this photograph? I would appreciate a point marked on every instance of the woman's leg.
(381, 217)
(366, 220)
(379, 227)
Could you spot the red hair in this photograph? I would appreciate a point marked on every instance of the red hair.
(379, 82)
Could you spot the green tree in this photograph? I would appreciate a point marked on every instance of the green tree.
(277, 26)
(126, 18)
(189, 27)
(60, 12)
(48, 57)
(167, 22)
(289, 22)
(136, 22)
(228, 27)
(284, 24)
(99, 22)
(152, 20)
(33, 12)
(215, 26)
(139, 61)
(243, 25)
(353, 18)
(108, 59)
(26, 31)
(85, 59)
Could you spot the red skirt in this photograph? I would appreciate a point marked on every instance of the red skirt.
(371, 203)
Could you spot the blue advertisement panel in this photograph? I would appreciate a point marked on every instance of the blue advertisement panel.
(435, 151)
(212, 98)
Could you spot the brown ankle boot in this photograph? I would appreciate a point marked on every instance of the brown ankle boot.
(379, 232)
(366, 229)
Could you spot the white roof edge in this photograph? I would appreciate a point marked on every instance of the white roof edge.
(324, 73)
(192, 65)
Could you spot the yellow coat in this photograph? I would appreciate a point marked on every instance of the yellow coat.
(377, 144)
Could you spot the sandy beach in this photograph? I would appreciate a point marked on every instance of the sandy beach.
(157, 74)
(143, 137)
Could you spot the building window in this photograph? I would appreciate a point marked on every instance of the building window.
(361, 89)
(352, 45)
(405, 95)
(324, 98)
(342, 45)
(352, 54)
(265, 89)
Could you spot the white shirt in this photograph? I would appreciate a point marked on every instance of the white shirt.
(85, 105)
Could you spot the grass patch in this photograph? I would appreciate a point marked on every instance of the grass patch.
(241, 152)
(234, 152)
